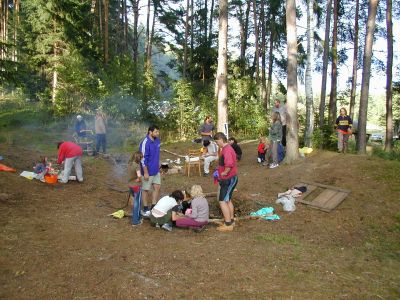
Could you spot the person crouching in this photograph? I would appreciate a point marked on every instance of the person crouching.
(161, 214)
(70, 154)
(196, 217)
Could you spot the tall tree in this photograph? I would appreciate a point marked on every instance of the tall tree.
(389, 84)
(292, 148)
(366, 75)
(106, 18)
(185, 43)
(222, 69)
(256, 40)
(355, 63)
(309, 71)
(325, 61)
(333, 93)
(263, 51)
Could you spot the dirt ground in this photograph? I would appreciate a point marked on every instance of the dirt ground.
(58, 242)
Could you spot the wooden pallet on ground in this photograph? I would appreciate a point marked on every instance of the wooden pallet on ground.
(321, 196)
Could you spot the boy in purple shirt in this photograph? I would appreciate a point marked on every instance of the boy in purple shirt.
(227, 179)
(150, 148)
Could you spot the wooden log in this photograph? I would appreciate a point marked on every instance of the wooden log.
(176, 154)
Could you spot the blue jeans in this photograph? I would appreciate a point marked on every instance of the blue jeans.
(100, 141)
(137, 205)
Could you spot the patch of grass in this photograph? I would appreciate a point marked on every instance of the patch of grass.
(281, 239)
(394, 155)
(383, 243)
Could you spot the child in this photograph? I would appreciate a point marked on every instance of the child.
(41, 168)
(196, 217)
(134, 184)
(161, 214)
(262, 149)
(232, 141)
(275, 136)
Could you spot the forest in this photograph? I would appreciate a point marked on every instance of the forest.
(174, 62)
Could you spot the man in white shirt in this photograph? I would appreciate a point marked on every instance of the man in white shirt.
(210, 155)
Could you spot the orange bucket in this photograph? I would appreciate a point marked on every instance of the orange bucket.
(51, 178)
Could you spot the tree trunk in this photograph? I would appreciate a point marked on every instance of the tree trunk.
(135, 38)
(15, 31)
(106, 54)
(148, 31)
(222, 70)
(125, 18)
(333, 94)
(389, 84)
(325, 61)
(366, 74)
(270, 67)
(256, 41)
(185, 42)
(211, 23)
(292, 148)
(309, 71)
(263, 45)
(355, 63)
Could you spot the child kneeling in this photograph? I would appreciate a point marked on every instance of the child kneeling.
(161, 214)
(197, 215)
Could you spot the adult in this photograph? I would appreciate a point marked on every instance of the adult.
(71, 154)
(281, 109)
(100, 125)
(150, 148)
(275, 136)
(227, 179)
(233, 142)
(80, 126)
(206, 129)
(210, 155)
(343, 126)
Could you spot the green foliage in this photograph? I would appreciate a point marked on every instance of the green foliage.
(394, 155)
(246, 113)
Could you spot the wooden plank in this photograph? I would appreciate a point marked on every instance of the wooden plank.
(329, 187)
(336, 200)
(324, 197)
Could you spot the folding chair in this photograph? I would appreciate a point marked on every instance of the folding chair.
(86, 142)
(193, 159)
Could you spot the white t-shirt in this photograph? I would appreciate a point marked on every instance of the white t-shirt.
(212, 149)
(163, 205)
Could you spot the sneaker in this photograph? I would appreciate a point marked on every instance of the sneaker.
(206, 174)
(273, 166)
(225, 228)
(157, 225)
(138, 224)
(167, 227)
(265, 164)
(145, 214)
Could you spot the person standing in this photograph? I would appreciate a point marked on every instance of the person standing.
(80, 126)
(343, 126)
(134, 185)
(281, 109)
(71, 154)
(150, 148)
(210, 155)
(100, 128)
(206, 129)
(233, 142)
(227, 179)
(275, 136)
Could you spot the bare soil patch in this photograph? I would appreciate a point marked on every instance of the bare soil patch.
(57, 242)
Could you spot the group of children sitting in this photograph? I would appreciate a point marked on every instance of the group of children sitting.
(185, 209)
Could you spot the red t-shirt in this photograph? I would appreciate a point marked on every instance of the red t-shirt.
(227, 158)
(261, 148)
(68, 150)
